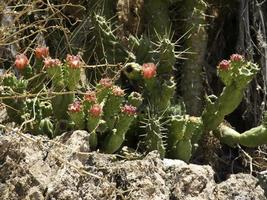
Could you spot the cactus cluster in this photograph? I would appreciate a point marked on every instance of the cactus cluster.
(107, 113)
(114, 113)
(177, 135)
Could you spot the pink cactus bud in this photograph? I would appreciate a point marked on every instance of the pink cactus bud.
(95, 110)
(75, 107)
(236, 58)
(49, 62)
(21, 61)
(73, 61)
(41, 52)
(90, 96)
(149, 70)
(117, 91)
(128, 110)
(106, 82)
(224, 65)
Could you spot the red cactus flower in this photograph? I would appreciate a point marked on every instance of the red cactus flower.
(236, 58)
(90, 96)
(224, 65)
(76, 106)
(117, 91)
(149, 70)
(21, 61)
(106, 82)
(95, 110)
(49, 62)
(41, 52)
(128, 110)
(73, 61)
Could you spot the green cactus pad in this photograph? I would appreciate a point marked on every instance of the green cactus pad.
(114, 140)
(154, 138)
(60, 105)
(93, 140)
(182, 151)
(56, 75)
(111, 109)
(135, 99)
(78, 118)
(72, 77)
(166, 94)
(92, 123)
(46, 127)
(176, 130)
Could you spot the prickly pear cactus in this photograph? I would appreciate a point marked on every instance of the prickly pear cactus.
(236, 74)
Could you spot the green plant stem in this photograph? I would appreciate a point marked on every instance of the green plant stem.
(251, 138)
(196, 41)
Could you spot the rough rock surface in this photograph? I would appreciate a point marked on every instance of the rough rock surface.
(33, 167)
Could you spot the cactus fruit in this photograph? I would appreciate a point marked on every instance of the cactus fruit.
(112, 105)
(41, 52)
(149, 70)
(224, 65)
(93, 121)
(54, 70)
(21, 62)
(72, 72)
(236, 58)
(76, 114)
(89, 99)
(103, 88)
(93, 117)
